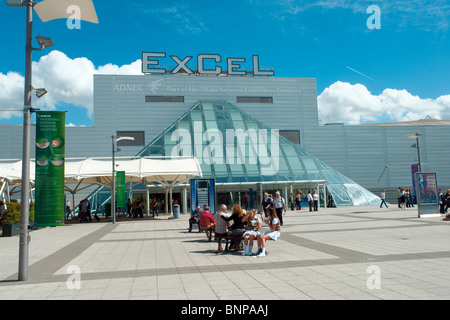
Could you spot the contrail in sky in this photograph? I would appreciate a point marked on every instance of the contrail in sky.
(361, 74)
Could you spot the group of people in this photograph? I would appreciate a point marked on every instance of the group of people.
(405, 198)
(276, 203)
(136, 208)
(240, 223)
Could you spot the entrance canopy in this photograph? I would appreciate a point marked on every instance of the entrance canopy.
(165, 172)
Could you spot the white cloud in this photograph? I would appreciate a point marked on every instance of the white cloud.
(354, 104)
(11, 94)
(67, 81)
(70, 81)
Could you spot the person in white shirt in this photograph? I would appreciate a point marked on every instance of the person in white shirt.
(252, 231)
(383, 198)
(310, 200)
(316, 200)
(280, 206)
(273, 234)
(221, 225)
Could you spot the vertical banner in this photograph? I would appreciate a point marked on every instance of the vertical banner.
(120, 187)
(49, 179)
(427, 189)
(427, 194)
(414, 170)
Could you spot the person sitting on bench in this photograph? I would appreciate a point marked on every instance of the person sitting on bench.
(238, 226)
(252, 231)
(273, 234)
(206, 220)
(221, 225)
(194, 217)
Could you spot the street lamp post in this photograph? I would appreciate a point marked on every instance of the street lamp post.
(113, 190)
(51, 12)
(416, 145)
(25, 197)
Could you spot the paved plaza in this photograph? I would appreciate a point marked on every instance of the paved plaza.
(348, 253)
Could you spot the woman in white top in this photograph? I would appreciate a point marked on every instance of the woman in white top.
(273, 234)
(252, 231)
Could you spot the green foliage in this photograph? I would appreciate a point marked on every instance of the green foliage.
(12, 214)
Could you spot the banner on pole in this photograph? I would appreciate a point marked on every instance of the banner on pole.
(49, 176)
(120, 187)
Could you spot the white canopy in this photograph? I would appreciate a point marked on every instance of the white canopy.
(165, 172)
(161, 171)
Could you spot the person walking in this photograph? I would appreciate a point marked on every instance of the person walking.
(266, 203)
(383, 199)
(280, 206)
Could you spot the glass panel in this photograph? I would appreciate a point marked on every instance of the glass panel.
(209, 115)
(289, 150)
(239, 125)
(196, 116)
(210, 125)
(185, 125)
(370, 197)
(221, 170)
(309, 163)
(295, 164)
(235, 115)
(207, 106)
(283, 167)
(355, 194)
(331, 176)
(344, 179)
(340, 195)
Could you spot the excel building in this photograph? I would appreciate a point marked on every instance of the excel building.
(249, 130)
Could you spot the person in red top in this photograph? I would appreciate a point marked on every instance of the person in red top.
(205, 219)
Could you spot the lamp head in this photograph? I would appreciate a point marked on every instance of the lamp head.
(44, 42)
(14, 3)
(40, 92)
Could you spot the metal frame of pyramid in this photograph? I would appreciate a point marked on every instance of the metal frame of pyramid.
(236, 149)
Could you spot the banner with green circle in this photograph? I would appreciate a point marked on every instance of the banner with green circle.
(49, 178)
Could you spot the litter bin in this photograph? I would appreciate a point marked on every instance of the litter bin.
(176, 211)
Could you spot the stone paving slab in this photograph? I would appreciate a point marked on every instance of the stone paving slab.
(351, 253)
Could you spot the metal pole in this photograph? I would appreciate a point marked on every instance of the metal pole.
(418, 152)
(113, 191)
(24, 204)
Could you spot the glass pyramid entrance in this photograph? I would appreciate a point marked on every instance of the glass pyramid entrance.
(236, 149)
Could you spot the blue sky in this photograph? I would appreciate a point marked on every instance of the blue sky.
(396, 73)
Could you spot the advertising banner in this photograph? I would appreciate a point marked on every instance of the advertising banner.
(427, 188)
(49, 179)
(120, 187)
(427, 194)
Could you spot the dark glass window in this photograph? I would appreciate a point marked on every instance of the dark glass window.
(139, 138)
(254, 99)
(292, 135)
(164, 98)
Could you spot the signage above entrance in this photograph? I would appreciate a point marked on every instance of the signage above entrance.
(234, 65)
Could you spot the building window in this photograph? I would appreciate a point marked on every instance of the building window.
(139, 138)
(292, 135)
(254, 99)
(164, 98)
